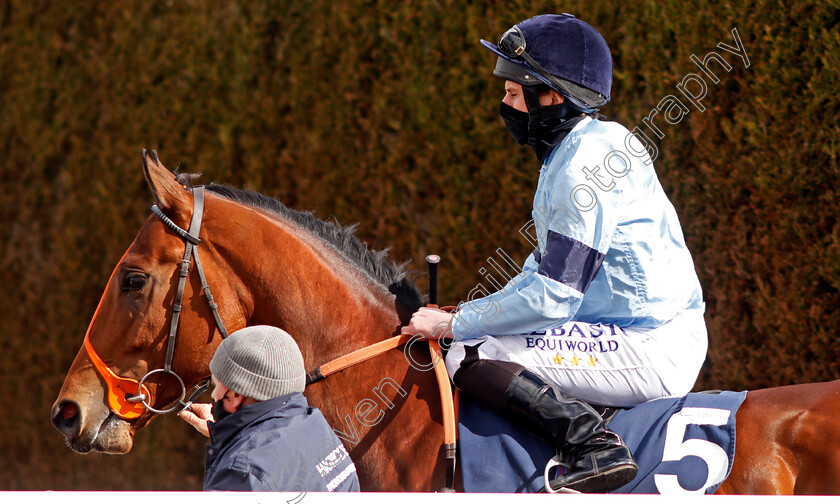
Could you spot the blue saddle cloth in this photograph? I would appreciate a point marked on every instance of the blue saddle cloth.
(684, 444)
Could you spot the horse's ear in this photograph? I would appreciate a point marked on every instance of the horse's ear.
(169, 194)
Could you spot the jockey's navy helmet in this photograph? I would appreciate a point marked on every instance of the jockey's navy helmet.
(561, 51)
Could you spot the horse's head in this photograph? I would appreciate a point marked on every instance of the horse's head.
(100, 406)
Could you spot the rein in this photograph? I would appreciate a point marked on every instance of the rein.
(447, 401)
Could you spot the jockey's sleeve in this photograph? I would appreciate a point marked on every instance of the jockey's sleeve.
(574, 227)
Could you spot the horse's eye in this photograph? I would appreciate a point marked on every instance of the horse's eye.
(134, 282)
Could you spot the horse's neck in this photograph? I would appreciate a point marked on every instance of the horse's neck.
(308, 289)
(332, 309)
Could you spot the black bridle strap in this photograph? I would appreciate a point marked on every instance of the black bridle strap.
(190, 250)
(191, 238)
(178, 229)
(214, 308)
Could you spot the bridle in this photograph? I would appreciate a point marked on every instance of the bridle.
(125, 402)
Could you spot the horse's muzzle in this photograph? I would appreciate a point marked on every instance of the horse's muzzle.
(67, 418)
(112, 435)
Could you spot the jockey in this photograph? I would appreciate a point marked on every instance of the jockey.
(608, 309)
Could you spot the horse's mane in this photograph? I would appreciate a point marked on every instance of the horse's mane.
(374, 263)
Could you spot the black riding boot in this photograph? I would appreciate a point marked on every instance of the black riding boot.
(598, 459)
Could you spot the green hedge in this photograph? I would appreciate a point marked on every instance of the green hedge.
(385, 113)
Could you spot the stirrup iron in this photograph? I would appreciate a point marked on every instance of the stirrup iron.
(555, 462)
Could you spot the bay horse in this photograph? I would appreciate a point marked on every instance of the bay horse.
(268, 264)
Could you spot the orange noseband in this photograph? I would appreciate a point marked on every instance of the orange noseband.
(119, 388)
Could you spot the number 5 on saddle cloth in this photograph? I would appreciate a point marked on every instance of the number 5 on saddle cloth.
(682, 445)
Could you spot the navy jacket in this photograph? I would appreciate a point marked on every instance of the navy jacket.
(277, 445)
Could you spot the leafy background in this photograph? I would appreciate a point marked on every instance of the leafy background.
(385, 113)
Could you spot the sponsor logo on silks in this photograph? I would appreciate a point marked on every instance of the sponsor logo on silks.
(581, 330)
(583, 341)
(553, 345)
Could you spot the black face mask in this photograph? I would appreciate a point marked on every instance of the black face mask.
(516, 122)
(552, 125)
(218, 410)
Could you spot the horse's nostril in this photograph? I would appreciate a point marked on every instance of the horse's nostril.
(66, 418)
(69, 410)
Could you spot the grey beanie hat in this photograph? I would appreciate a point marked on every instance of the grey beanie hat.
(261, 362)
